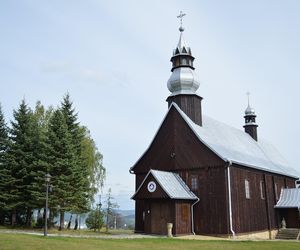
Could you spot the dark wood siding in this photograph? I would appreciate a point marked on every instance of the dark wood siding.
(189, 104)
(176, 147)
(210, 213)
(157, 214)
(143, 192)
(183, 218)
(256, 213)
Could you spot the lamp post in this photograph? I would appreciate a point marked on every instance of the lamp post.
(47, 180)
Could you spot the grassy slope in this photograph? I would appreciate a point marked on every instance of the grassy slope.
(19, 241)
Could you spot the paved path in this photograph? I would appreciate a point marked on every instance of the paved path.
(101, 236)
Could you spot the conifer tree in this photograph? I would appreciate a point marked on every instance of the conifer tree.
(40, 122)
(61, 159)
(5, 174)
(80, 170)
(20, 160)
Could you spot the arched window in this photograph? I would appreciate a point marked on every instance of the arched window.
(184, 61)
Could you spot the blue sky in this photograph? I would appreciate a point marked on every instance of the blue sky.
(113, 59)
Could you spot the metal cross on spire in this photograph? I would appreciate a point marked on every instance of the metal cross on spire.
(248, 94)
(181, 15)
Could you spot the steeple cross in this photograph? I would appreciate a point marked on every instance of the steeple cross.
(181, 15)
(248, 94)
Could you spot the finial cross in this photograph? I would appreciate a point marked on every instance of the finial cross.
(181, 15)
(248, 94)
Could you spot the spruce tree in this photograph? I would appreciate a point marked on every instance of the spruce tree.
(80, 170)
(20, 160)
(5, 174)
(61, 160)
(40, 122)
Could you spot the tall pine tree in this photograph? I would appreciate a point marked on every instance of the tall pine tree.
(40, 120)
(5, 173)
(61, 160)
(21, 158)
(80, 170)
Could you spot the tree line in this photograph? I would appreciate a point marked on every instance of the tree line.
(46, 140)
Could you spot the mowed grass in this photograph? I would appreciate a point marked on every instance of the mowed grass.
(21, 241)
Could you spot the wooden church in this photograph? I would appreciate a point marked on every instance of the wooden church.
(204, 176)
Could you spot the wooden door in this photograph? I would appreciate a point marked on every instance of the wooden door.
(147, 218)
(160, 216)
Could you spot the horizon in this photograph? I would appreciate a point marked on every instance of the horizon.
(114, 60)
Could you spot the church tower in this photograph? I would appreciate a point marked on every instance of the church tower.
(183, 82)
(250, 123)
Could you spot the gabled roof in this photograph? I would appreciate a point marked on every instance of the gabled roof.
(171, 183)
(234, 145)
(289, 198)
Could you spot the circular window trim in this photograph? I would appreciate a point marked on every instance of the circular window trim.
(151, 186)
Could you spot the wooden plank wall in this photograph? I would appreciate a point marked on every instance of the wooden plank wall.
(176, 147)
(210, 213)
(256, 213)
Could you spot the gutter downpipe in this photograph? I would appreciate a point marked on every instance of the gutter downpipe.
(192, 212)
(229, 198)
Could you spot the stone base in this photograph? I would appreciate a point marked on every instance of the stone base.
(261, 235)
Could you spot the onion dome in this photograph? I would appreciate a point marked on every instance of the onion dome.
(183, 79)
(249, 110)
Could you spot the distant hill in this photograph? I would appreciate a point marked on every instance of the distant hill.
(125, 212)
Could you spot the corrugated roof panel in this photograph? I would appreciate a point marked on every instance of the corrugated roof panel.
(289, 198)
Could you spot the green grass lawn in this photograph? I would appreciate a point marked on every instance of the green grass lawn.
(21, 241)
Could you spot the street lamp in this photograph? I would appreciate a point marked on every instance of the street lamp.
(47, 180)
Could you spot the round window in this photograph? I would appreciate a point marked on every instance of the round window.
(151, 186)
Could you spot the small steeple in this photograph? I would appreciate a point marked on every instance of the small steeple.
(183, 79)
(250, 123)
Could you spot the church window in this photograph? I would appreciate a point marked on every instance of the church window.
(262, 194)
(276, 191)
(247, 189)
(184, 61)
(194, 183)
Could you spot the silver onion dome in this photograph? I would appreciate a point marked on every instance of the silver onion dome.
(183, 79)
(249, 110)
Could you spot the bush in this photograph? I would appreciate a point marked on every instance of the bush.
(94, 220)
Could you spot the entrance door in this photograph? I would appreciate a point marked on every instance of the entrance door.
(160, 216)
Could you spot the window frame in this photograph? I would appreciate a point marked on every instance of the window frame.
(262, 189)
(247, 189)
(194, 182)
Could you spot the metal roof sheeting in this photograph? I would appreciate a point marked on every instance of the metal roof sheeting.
(173, 185)
(289, 198)
(239, 147)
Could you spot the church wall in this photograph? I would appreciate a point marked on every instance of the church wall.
(183, 218)
(210, 213)
(174, 148)
(256, 213)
